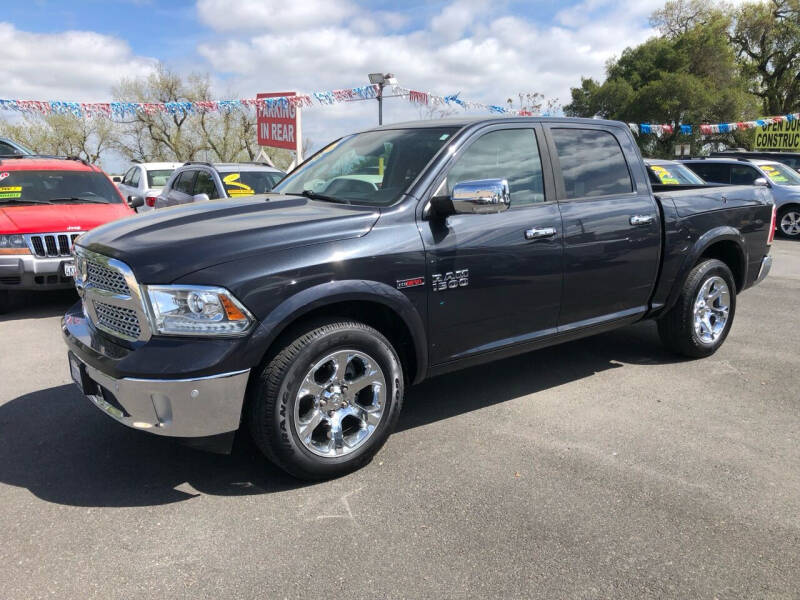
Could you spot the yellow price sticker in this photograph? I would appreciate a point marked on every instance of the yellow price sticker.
(236, 187)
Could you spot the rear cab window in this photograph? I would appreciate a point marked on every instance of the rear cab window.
(592, 163)
(157, 178)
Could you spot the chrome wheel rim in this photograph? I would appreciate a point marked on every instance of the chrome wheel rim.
(711, 309)
(340, 403)
(790, 223)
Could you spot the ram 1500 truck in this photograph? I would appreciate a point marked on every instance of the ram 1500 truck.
(390, 256)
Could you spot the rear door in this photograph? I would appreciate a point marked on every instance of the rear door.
(492, 282)
(611, 224)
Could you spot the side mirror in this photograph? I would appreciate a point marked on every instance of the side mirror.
(481, 196)
(762, 181)
(116, 179)
(200, 198)
(135, 201)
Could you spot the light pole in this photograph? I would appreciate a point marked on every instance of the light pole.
(381, 80)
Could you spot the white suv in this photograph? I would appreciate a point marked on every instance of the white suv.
(146, 180)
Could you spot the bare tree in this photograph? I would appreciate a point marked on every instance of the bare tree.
(62, 134)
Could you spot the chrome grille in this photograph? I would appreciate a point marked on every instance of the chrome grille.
(120, 320)
(112, 298)
(105, 278)
(51, 244)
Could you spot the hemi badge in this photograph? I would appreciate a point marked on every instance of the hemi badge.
(413, 282)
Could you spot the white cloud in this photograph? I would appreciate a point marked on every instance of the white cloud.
(79, 66)
(272, 15)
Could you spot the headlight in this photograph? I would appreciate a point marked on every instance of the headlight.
(15, 241)
(196, 310)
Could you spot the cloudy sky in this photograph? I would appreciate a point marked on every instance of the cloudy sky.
(488, 51)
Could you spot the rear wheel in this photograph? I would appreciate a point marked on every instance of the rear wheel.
(702, 317)
(789, 222)
(326, 403)
(5, 301)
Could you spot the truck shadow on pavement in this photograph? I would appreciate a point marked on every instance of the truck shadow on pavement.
(63, 450)
(32, 305)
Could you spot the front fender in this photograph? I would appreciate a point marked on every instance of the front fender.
(309, 299)
(712, 236)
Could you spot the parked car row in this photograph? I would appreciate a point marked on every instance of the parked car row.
(782, 180)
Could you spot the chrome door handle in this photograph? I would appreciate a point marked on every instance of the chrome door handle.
(642, 219)
(538, 234)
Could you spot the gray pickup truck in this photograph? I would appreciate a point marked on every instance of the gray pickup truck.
(394, 255)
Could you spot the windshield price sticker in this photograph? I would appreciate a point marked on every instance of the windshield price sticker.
(771, 172)
(664, 175)
(236, 187)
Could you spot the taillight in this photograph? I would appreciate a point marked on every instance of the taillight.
(773, 224)
(150, 200)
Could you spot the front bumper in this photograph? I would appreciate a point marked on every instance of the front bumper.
(186, 408)
(766, 265)
(29, 272)
(188, 388)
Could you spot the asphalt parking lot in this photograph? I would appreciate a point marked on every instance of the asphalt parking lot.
(599, 468)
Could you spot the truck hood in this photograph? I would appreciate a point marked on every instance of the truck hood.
(52, 218)
(163, 245)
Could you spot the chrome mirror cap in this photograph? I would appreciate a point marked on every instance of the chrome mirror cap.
(481, 196)
(762, 181)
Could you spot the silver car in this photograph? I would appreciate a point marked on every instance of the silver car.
(202, 181)
(783, 181)
(146, 180)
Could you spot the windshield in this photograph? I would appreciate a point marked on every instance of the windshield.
(247, 183)
(57, 187)
(781, 174)
(157, 178)
(674, 175)
(372, 168)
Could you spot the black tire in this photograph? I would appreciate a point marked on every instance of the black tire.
(5, 301)
(783, 212)
(676, 328)
(273, 395)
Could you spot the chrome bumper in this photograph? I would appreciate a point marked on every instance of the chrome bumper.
(766, 265)
(188, 408)
(26, 271)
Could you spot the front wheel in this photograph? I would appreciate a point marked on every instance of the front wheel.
(702, 317)
(789, 222)
(325, 404)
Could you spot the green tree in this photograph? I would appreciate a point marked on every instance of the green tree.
(766, 37)
(689, 77)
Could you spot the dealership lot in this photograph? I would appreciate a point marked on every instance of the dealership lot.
(603, 467)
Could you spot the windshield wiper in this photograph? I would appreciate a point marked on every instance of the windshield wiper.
(315, 196)
(24, 201)
(77, 199)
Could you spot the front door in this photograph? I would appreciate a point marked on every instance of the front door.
(612, 225)
(493, 282)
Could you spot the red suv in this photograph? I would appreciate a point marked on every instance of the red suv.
(45, 203)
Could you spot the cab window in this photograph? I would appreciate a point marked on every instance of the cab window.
(510, 154)
(592, 163)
